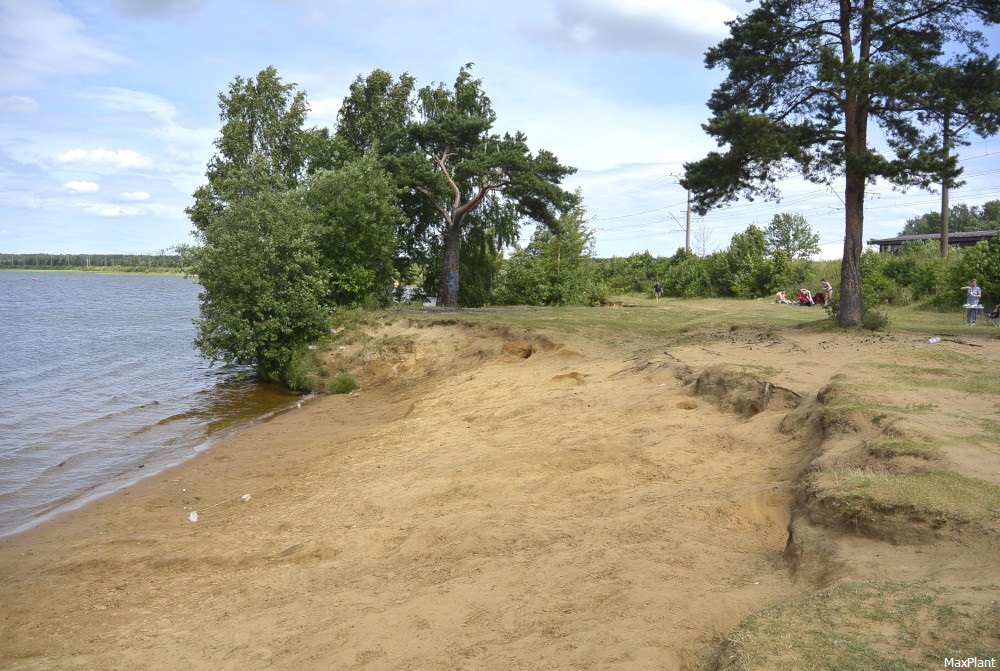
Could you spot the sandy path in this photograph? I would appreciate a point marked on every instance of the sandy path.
(479, 510)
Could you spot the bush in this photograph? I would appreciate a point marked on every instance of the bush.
(342, 384)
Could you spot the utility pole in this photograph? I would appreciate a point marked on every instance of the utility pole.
(687, 216)
(687, 236)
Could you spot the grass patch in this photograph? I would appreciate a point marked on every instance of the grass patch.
(341, 384)
(640, 323)
(851, 404)
(979, 384)
(887, 448)
(934, 497)
(865, 626)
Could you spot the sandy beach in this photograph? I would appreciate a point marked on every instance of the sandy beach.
(489, 499)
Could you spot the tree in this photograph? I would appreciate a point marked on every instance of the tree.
(743, 266)
(355, 218)
(283, 237)
(262, 143)
(791, 234)
(556, 268)
(263, 284)
(961, 218)
(458, 163)
(258, 263)
(960, 97)
(805, 79)
(374, 115)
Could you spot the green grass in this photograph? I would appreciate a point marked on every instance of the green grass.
(933, 497)
(341, 384)
(889, 447)
(852, 406)
(866, 626)
(641, 320)
(641, 323)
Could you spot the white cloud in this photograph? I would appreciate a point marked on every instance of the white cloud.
(129, 100)
(104, 158)
(18, 105)
(105, 210)
(134, 197)
(323, 113)
(81, 187)
(40, 41)
(684, 27)
(156, 8)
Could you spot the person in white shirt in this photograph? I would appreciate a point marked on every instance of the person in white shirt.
(972, 295)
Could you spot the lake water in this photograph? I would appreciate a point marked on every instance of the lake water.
(100, 386)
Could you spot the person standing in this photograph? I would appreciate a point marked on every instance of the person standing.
(827, 290)
(972, 295)
(658, 291)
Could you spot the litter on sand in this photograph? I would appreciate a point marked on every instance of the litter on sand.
(193, 515)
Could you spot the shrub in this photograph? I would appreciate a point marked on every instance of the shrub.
(342, 384)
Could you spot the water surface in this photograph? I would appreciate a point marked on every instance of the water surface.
(100, 385)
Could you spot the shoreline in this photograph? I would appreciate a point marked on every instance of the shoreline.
(136, 476)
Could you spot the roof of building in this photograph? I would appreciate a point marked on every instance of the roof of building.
(952, 236)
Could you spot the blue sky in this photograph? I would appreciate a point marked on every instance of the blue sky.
(109, 108)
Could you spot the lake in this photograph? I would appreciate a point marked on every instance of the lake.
(100, 386)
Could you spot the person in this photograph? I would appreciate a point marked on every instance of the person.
(827, 290)
(805, 297)
(972, 295)
(780, 298)
(658, 291)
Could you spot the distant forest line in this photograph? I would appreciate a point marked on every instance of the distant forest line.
(119, 262)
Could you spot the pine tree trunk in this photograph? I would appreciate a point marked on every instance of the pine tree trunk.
(850, 308)
(945, 185)
(449, 273)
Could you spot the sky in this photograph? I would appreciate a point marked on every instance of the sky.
(109, 109)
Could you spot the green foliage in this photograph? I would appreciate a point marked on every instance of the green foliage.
(457, 164)
(918, 267)
(983, 263)
(343, 383)
(961, 218)
(799, 95)
(356, 217)
(263, 284)
(791, 275)
(284, 238)
(744, 270)
(636, 273)
(688, 276)
(791, 235)
(555, 268)
(480, 264)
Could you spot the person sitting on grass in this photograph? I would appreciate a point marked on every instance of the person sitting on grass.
(780, 298)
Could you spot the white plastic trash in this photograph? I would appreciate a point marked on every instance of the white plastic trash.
(193, 516)
(934, 340)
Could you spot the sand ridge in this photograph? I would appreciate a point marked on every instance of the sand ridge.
(490, 499)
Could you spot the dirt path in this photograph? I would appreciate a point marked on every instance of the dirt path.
(495, 502)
